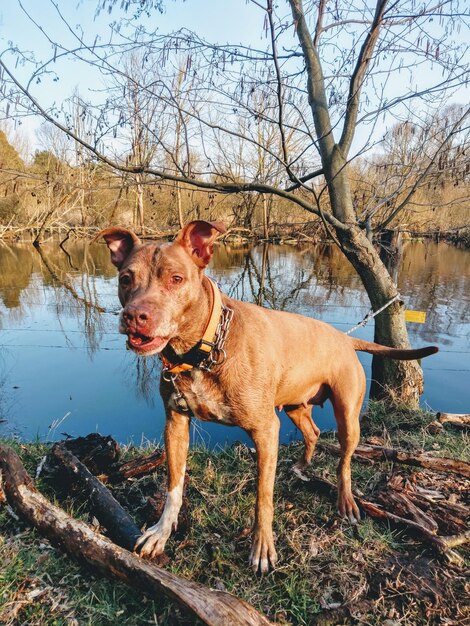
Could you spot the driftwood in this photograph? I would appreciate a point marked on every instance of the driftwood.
(102, 504)
(404, 507)
(99, 454)
(80, 541)
(379, 453)
(119, 524)
(443, 544)
(449, 516)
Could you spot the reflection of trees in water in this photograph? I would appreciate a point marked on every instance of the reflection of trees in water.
(432, 277)
(437, 279)
(17, 267)
(86, 301)
(315, 280)
(275, 276)
(147, 378)
(6, 398)
(267, 286)
(70, 277)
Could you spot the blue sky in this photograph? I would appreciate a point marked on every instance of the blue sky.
(234, 21)
(226, 21)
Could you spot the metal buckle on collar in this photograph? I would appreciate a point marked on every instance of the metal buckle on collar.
(205, 354)
(167, 376)
(203, 343)
(178, 397)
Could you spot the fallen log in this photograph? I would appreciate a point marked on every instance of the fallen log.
(460, 418)
(443, 544)
(379, 453)
(450, 518)
(136, 468)
(403, 506)
(98, 452)
(120, 526)
(425, 506)
(453, 508)
(454, 420)
(102, 504)
(215, 608)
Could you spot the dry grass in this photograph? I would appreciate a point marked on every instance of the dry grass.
(328, 573)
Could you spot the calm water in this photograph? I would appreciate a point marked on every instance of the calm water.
(64, 367)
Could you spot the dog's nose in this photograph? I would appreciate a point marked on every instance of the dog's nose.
(134, 315)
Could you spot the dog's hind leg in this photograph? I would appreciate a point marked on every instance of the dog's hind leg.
(301, 415)
(347, 419)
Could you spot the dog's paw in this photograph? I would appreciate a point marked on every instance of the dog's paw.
(263, 553)
(348, 509)
(153, 541)
(299, 468)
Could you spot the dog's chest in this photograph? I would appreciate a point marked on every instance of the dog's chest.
(201, 397)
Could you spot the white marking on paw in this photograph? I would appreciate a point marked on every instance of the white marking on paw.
(153, 541)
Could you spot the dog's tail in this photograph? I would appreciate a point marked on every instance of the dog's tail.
(393, 353)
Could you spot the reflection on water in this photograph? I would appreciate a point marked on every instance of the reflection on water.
(64, 367)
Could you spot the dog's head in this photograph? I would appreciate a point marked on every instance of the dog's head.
(160, 283)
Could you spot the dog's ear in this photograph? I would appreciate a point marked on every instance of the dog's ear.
(198, 237)
(120, 242)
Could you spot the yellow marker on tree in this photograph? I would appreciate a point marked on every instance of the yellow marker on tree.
(419, 317)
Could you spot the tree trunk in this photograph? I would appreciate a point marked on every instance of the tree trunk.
(397, 381)
(265, 217)
(391, 250)
(179, 207)
(140, 220)
(401, 381)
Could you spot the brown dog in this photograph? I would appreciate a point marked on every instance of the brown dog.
(254, 360)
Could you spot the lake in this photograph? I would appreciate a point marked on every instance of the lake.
(64, 367)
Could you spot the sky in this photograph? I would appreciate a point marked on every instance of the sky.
(240, 22)
(234, 21)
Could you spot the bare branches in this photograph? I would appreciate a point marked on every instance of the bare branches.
(424, 172)
(236, 101)
(357, 78)
(315, 83)
(319, 24)
(141, 169)
(279, 90)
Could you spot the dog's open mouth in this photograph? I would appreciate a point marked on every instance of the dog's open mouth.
(143, 344)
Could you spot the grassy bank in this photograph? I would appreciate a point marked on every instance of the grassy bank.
(329, 572)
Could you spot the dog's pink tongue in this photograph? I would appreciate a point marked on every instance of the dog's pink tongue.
(137, 340)
(142, 343)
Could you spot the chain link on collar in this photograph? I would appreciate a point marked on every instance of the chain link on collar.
(215, 357)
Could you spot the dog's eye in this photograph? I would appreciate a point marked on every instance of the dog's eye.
(176, 279)
(125, 280)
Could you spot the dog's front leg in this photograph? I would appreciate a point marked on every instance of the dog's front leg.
(152, 542)
(266, 441)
